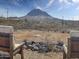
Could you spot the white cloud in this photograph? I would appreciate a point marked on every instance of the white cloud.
(60, 8)
(38, 7)
(64, 4)
(77, 8)
(50, 2)
(76, 17)
(75, 1)
(16, 2)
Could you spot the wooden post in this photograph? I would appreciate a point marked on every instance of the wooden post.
(22, 55)
(64, 55)
(69, 48)
(11, 46)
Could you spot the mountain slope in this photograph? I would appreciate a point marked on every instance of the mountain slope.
(39, 15)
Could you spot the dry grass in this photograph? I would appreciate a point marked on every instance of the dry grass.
(45, 36)
(40, 35)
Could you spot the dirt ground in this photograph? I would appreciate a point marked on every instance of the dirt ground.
(44, 36)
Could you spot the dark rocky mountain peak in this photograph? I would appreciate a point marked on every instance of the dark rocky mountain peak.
(37, 12)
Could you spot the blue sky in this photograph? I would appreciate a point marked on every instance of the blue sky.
(68, 9)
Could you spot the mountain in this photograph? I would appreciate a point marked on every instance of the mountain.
(39, 15)
(38, 12)
(41, 20)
